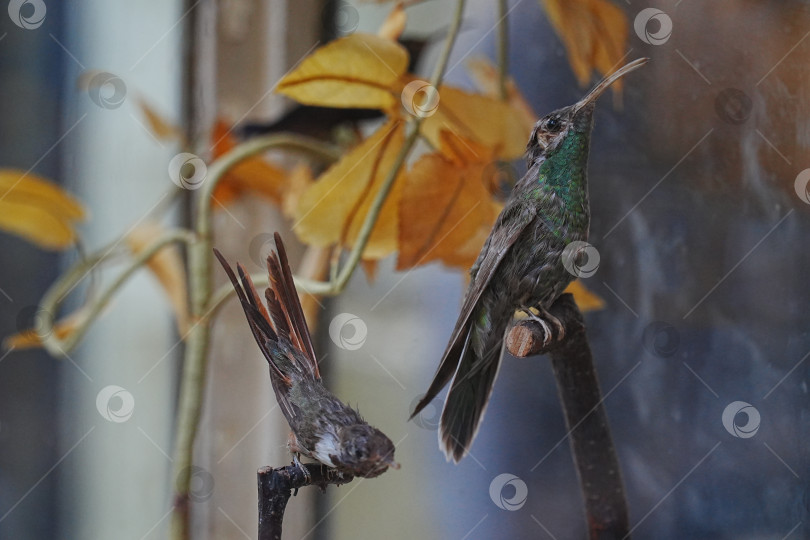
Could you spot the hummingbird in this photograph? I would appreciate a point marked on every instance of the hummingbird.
(526, 263)
(323, 427)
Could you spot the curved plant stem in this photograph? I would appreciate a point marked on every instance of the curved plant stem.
(202, 303)
(192, 384)
(49, 305)
(410, 138)
(503, 48)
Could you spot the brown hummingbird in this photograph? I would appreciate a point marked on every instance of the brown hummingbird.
(323, 428)
(531, 255)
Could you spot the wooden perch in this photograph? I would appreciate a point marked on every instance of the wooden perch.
(275, 489)
(585, 418)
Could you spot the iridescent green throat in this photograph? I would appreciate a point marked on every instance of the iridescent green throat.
(564, 174)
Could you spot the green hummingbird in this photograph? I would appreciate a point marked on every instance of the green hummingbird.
(529, 258)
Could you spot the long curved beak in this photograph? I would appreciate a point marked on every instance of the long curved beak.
(605, 83)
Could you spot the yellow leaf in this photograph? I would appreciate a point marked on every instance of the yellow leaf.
(167, 267)
(445, 204)
(62, 329)
(586, 300)
(610, 49)
(157, 124)
(298, 182)
(478, 118)
(370, 269)
(594, 33)
(485, 75)
(253, 175)
(334, 208)
(38, 210)
(469, 250)
(359, 70)
(394, 24)
(461, 151)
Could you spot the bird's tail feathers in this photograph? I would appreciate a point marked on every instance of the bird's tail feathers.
(471, 388)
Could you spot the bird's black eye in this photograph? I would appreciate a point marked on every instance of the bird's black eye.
(359, 454)
(553, 124)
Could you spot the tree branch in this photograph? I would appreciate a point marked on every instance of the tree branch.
(585, 418)
(275, 489)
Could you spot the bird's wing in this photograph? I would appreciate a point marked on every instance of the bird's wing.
(285, 307)
(511, 222)
(268, 340)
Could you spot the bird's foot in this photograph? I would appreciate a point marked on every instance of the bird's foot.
(297, 463)
(543, 319)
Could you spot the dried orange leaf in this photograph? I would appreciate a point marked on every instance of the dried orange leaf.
(334, 208)
(462, 151)
(359, 70)
(610, 49)
(586, 300)
(167, 267)
(469, 250)
(485, 75)
(394, 24)
(38, 210)
(594, 33)
(444, 205)
(478, 118)
(160, 127)
(62, 329)
(253, 175)
(370, 269)
(298, 182)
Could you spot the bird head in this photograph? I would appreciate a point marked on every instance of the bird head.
(366, 451)
(552, 129)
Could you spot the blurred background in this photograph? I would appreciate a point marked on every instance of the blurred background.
(699, 212)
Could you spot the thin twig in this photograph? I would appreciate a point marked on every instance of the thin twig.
(411, 136)
(503, 48)
(53, 297)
